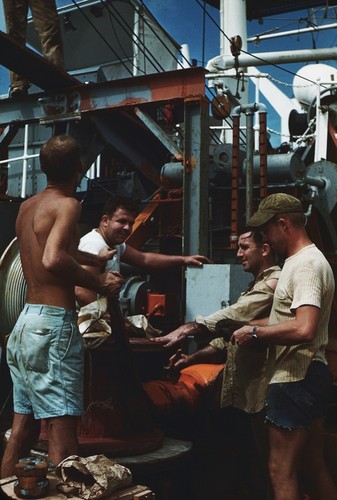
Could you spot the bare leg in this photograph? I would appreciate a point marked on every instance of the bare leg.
(62, 438)
(318, 480)
(286, 450)
(24, 434)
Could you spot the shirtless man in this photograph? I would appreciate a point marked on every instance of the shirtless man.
(45, 349)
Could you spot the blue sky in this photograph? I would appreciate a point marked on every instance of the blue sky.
(183, 19)
(170, 14)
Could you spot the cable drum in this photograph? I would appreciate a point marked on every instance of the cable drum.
(307, 79)
(13, 288)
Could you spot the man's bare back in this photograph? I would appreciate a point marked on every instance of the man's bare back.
(48, 237)
(45, 349)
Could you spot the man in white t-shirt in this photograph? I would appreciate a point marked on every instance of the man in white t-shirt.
(116, 223)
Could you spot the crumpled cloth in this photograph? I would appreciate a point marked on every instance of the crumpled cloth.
(140, 326)
(91, 477)
(92, 321)
(94, 324)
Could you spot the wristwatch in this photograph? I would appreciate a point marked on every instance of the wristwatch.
(254, 334)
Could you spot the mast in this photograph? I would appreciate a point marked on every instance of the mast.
(233, 22)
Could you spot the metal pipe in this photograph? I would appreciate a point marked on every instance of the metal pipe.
(263, 149)
(266, 36)
(249, 164)
(98, 166)
(266, 58)
(186, 58)
(136, 22)
(233, 22)
(315, 181)
(249, 111)
(24, 163)
(235, 179)
(249, 108)
(321, 141)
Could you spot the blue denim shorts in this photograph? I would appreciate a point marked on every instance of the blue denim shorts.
(295, 405)
(45, 354)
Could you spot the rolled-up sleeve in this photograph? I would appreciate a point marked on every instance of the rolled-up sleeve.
(255, 303)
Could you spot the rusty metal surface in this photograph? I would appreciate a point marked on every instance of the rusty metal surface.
(71, 103)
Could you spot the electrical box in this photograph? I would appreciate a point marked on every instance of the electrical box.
(213, 287)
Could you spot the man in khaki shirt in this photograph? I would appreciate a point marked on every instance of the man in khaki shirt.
(245, 379)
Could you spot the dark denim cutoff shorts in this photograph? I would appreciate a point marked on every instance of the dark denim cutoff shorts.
(294, 405)
(45, 357)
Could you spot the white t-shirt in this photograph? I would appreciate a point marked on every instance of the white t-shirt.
(93, 242)
(306, 280)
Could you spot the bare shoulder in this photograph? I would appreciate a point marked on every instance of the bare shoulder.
(58, 205)
(54, 210)
(68, 204)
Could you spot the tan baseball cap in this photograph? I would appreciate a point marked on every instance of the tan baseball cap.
(274, 204)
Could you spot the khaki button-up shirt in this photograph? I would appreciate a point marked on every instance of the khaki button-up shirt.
(245, 377)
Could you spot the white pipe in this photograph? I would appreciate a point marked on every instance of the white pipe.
(256, 118)
(267, 36)
(92, 171)
(24, 163)
(321, 142)
(17, 158)
(185, 57)
(233, 22)
(136, 62)
(266, 58)
(98, 166)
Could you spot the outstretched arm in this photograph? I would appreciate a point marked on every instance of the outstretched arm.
(207, 354)
(150, 260)
(180, 334)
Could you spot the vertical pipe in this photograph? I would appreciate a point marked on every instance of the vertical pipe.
(321, 141)
(136, 34)
(24, 163)
(249, 163)
(235, 181)
(233, 21)
(263, 148)
(249, 110)
(98, 166)
(256, 123)
(91, 171)
(186, 58)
